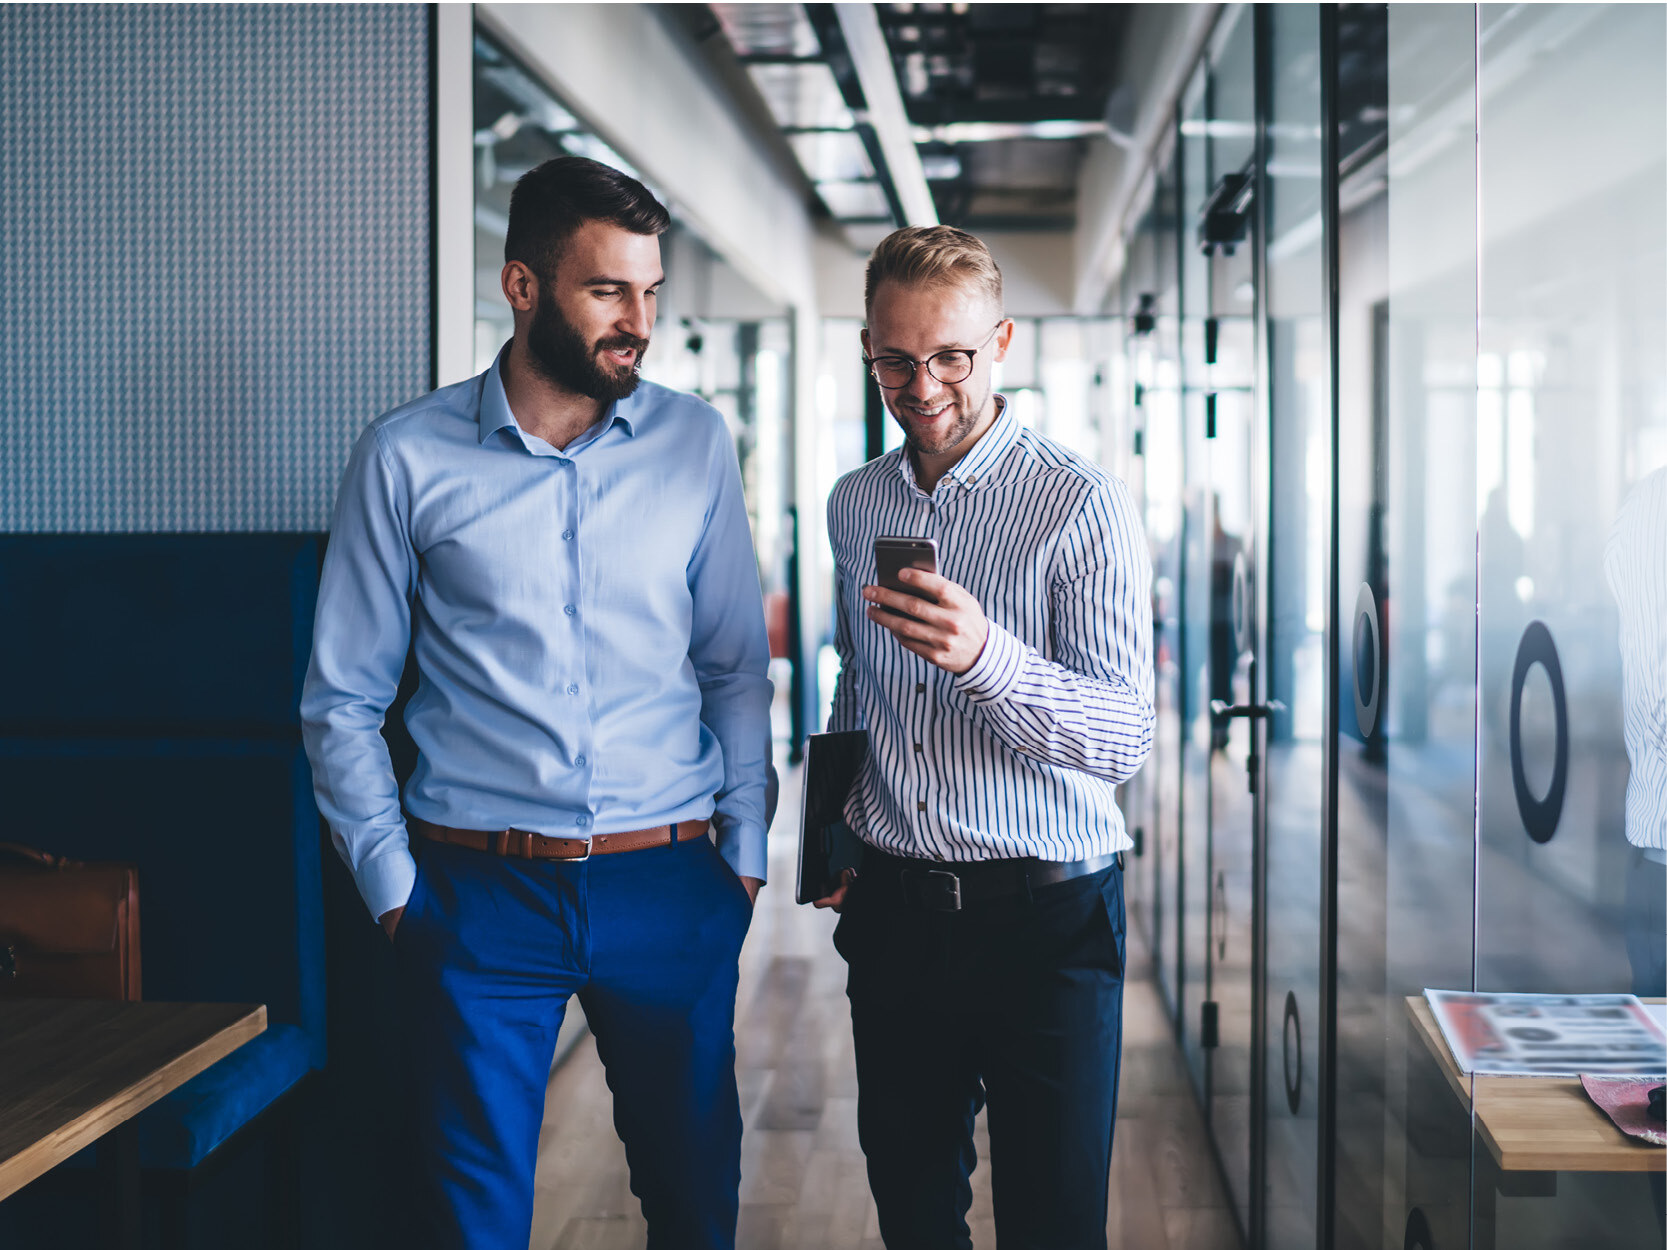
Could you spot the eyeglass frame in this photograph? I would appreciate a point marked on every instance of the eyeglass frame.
(914, 365)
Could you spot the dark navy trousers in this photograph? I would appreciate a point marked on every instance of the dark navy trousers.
(490, 949)
(1017, 1001)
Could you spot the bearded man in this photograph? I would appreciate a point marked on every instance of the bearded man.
(565, 551)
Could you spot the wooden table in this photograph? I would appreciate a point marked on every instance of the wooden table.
(1538, 1123)
(72, 1071)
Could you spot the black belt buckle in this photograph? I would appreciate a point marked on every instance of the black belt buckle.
(936, 889)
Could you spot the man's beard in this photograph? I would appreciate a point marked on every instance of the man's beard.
(559, 352)
(957, 433)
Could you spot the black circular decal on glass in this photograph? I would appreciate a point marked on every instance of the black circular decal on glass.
(1419, 1236)
(1241, 604)
(1539, 816)
(1293, 1030)
(1218, 906)
(1368, 660)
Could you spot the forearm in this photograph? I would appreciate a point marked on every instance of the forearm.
(361, 632)
(736, 708)
(730, 651)
(1054, 715)
(354, 785)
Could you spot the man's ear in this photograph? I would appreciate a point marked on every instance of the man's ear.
(867, 347)
(1004, 338)
(520, 286)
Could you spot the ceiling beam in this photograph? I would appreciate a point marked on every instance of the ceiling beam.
(871, 59)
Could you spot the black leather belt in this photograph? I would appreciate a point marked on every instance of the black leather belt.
(938, 886)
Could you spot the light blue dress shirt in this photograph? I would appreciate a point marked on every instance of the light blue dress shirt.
(588, 629)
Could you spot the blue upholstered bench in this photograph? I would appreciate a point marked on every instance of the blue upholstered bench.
(149, 714)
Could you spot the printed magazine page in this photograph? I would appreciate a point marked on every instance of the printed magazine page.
(1550, 1034)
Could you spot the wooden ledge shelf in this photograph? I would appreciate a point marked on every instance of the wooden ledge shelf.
(1538, 1123)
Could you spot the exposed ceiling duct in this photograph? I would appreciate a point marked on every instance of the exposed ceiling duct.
(974, 114)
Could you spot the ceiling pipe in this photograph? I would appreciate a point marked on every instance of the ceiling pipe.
(871, 59)
(1161, 49)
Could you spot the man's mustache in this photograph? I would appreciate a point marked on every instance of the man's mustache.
(621, 342)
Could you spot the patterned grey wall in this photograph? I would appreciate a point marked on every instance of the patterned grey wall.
(214, 258)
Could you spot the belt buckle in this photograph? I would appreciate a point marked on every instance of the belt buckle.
(941, 890)
(579, 859)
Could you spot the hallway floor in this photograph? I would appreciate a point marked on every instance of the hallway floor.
(803, 1186)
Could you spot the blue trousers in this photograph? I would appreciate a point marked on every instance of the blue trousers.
(1018, 1001)
(490, 949)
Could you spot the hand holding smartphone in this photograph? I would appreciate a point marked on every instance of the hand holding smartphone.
(893, 554)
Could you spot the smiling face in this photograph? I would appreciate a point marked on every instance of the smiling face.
(593, 317)
(939, 420)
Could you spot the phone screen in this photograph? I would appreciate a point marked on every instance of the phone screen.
(892, 555)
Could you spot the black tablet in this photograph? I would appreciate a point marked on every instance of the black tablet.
(826, 844)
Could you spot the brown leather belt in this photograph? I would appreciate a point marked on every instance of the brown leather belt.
(520, 844)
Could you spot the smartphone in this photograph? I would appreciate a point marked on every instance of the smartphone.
(894, 554)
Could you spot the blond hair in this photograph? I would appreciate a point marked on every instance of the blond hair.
(933, 256)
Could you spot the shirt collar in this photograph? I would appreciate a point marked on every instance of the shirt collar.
(976, 465)
(495, 415)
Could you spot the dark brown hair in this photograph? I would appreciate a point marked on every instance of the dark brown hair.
(552, 201)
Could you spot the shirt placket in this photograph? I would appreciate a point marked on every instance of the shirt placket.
(923, 725)
(573, 617)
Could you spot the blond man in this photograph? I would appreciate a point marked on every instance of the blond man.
(1004, 700)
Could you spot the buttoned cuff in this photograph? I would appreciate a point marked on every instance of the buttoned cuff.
(995, 672)
(746, 851)
(386, 881)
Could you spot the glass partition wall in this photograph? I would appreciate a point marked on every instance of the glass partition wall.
(1402, 405)
(1571, 438)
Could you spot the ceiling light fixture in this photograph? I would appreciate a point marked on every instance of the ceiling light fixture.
(991, 132)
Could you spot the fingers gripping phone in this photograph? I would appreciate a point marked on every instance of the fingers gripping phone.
(893, 554)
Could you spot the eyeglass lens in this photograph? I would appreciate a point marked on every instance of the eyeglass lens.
(947, 367)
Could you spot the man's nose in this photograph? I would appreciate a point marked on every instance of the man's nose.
(637, 318)
(923, 385)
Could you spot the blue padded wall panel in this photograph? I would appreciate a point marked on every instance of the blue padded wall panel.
(214, 253)
(184, 634)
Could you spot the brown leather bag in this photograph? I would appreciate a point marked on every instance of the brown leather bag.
(67, 929)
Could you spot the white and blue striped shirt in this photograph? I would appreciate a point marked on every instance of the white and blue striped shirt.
(1020, 755)
(1635, 561)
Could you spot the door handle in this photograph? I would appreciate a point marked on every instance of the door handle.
(1253, 711)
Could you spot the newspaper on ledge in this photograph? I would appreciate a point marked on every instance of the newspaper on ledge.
(1550, 1034)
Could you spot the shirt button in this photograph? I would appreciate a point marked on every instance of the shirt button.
(580, 761)
(581, 821)
(571, 610)
(573, 689)
(920, 805)
(920, 687)
(567, 535)
(917, 748)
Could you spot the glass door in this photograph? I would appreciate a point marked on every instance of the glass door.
(1225, 237)
(1196, 1025)
(1294, 586)
(1151, 298)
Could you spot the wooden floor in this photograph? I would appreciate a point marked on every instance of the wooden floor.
(803, 1186)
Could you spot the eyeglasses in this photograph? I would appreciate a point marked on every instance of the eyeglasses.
(949, 367)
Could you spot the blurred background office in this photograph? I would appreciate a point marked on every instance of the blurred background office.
(1367, 303)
